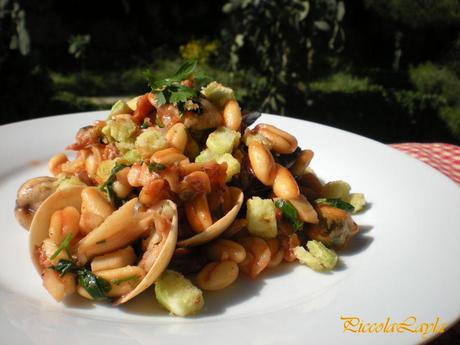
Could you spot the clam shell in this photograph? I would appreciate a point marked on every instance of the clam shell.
(72, 197)
(41, 221)
(218, 227)
(119, 229)
(162, 261)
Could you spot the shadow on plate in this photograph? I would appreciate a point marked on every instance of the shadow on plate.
(77, 302)
(216, 302)
(366, 208)
(359, 243)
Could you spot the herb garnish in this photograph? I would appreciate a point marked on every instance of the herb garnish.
(97, 287)
(155, 167)
(289, 212)
(145, 124)
(107, 186)
(170, 90)
(338, 203)
(64, 245)
(64, 266)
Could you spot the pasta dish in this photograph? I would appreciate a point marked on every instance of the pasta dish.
(180, 189)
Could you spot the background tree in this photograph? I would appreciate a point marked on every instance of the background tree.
(410, 15)
(280, 39)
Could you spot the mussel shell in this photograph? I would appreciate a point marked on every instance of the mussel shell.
(219, 226)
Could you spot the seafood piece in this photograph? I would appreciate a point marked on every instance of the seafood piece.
(211, 117)
(160, 247)
(219, 226)
(41, 222)
(335, 227)
(118, 230)
(30, 196)
(158, 224)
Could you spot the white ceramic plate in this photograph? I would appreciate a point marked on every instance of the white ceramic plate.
(404, 263)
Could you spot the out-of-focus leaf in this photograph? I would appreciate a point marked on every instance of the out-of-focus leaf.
(322, 25)
(340, 11)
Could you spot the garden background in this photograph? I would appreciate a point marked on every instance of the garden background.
(387, 69)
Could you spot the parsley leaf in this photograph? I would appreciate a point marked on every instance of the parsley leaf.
(186, 69)
(64, 266)
(145, 124)
(290, 213)
(155, 167)
(64, 245)
(96, 287)
(160, 98)
(181, 93)
(170, 90)
(201, 80)
(107, 186)
(338, 203)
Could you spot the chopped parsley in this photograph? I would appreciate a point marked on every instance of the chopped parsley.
(107, 186)
(155, 167)
(145, 124)
(170, 90)
(290, 213)
(63, 246)
(64, 266)
(96, 287)
(338, 203)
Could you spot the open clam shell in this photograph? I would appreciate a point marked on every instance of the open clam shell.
(163, 254)
(112, 234)
(118, 230)
(40, 224)
(219, 226)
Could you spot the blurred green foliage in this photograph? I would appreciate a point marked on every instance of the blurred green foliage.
(279, 39)
(386, 69)
(103, 83)
(13, 27)
(200, 50)
(78, 44)
(343, 82)
(443, 83)
(418, 13)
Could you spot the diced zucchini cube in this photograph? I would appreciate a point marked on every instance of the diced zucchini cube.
(233, 165)
(261, 217)
(104, 170)
(336, 190)
(177, 294)
(357, 200)
(121, 129)
(223, 140)
(150, 141)
(206, 156)
(217, 93)
(327, 257)
(120, 107)
(318, 257)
